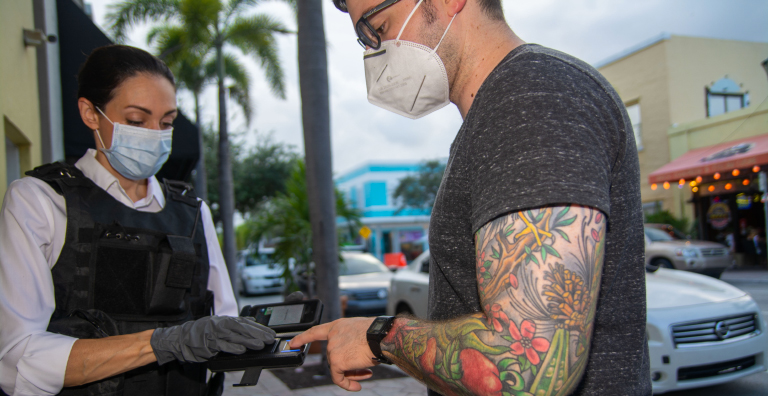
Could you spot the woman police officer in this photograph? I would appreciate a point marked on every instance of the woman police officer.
(108, 278)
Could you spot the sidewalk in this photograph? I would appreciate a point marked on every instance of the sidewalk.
(269, 385)
(750, 275)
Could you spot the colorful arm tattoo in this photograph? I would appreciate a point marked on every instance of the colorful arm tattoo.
(538, 275)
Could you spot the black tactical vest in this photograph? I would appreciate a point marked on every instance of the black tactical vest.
(123, 271)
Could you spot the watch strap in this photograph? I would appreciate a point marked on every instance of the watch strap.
(376, 332)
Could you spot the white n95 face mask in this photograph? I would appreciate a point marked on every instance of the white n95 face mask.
(136, 153)
(407, 78)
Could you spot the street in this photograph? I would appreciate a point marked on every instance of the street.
(753, 282)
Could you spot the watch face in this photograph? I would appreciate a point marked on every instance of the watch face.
(378, 324)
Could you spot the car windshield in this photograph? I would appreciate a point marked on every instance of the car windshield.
(360, 264)
(258, 259)
(657, 235)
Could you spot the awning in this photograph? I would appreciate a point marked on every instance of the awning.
(723, 157)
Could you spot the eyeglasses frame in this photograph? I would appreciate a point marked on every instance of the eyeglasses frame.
(363, 39)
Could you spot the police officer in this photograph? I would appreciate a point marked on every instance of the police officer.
(109, 278)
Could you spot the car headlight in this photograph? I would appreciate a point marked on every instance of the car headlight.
(382, 294)
(687, 252)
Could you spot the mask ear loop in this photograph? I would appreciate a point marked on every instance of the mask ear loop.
(413, 11)
(98, 133)
(444, 33)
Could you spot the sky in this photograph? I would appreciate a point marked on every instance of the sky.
(592, 30)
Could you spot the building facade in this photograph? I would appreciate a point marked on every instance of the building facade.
(370, 189)
(700, 114)
(20, 145)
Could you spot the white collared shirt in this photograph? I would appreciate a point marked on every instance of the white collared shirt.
(33, 222)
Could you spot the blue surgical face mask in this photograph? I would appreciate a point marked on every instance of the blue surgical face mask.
(136, 153)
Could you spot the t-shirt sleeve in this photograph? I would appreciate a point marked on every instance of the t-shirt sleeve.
(542, 140)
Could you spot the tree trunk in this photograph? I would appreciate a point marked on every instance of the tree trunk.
(226, 187)
(201, 183)
(315, 111)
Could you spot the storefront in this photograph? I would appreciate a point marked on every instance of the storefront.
(727, 184)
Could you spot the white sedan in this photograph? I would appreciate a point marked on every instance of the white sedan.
(701, 331)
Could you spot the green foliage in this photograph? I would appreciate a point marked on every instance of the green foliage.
(665, 217)
(259, 173)
(286, 217)
(419, 191)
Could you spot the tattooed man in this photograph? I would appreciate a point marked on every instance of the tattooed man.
(536, 275)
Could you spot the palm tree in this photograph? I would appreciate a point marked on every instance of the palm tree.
(208, 28)
(193, 73)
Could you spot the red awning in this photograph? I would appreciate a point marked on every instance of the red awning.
(723, 157)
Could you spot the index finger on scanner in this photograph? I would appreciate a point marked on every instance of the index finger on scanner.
(316, 333)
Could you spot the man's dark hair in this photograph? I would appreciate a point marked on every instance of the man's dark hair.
(109, 66)
(492, 8)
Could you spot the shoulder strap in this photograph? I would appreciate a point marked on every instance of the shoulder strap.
(180, 191)
(57, 172)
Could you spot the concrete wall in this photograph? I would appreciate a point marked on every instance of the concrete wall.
(19, 104)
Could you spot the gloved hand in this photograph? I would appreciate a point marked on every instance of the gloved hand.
(199, 340)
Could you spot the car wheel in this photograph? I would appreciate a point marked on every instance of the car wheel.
(244, 290)
(663, 263)
(403, 308)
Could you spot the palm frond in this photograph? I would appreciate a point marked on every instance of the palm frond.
(235, 7)
(128, 13)
(256, 36)
(201, 18)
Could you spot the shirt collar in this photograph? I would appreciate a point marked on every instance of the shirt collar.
(93, 170)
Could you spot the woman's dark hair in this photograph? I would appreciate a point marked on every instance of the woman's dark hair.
(109, 66)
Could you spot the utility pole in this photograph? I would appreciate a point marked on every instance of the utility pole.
(316, 119)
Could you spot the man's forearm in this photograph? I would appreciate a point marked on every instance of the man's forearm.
(95, 359)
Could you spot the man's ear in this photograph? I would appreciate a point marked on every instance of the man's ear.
(88, 113)
(454, 7)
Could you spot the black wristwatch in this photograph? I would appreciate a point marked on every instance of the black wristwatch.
(378, 330)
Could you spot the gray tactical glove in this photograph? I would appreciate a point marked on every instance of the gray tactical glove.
(199, 340)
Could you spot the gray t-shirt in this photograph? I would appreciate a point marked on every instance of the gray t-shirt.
(546, 128)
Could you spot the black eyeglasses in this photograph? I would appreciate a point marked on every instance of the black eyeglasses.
(366, 33)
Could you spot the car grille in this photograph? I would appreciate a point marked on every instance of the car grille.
(711, 370)
(366, 295)
(714, 330)
(272, 277)
(716, 252)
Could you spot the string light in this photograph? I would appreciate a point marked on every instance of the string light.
(745, 182)
(666, 185)
(693, 183)
(698, 179)
(717, 176)
(728, 186)
(735, 172)
(695, 189)
(682, 181)
(654, 186)
(711, 188)
(755, 169)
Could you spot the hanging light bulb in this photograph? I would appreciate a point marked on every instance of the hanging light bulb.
(717, 176)
(666, 185)
(728, 186)
(755, 169)
(693, 183)
(695, 189)
(711, 188)
(682, 181)
(698, 179)
(745, 182)
(654, 186)
(735, 172)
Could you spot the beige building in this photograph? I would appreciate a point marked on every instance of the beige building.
(20, 145)
(684, 93)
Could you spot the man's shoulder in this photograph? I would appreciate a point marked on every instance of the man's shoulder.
(532, 69)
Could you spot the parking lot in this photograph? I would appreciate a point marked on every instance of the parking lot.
(753, 282)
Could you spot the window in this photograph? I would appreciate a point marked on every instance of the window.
(375, 194)
(634, 118)
(12, 161)
(353, 197)
(725, 96)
